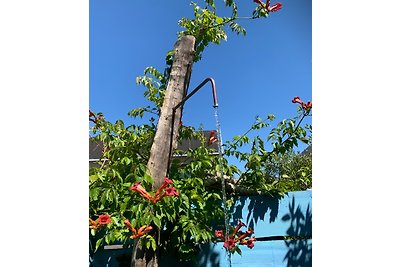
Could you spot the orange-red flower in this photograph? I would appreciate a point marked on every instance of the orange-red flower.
(212, 138)
(166, 183)
(259, 2)
(219, 234)
(137, 233)
(237, 237)
(144, 230)
(250, 242)
(243, 235)
(306, 106)
(166, 187)
(297, 100)
(129, 225)
(94, 118)
(275, 7)
(104, 219)
(171, 191)
(267, 6)
(93, 224)
(141, 190)
(230, 243)
(240, 225)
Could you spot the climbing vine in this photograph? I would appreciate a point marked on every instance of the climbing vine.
(187, 208)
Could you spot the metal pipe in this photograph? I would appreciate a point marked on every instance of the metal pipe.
(215, 98)
(214, 92)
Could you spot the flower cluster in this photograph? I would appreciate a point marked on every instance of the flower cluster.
(237, 237)
(94, 118)
(212, 138)
(137, 233)
(306, 106)
(100, 222)
(165, 190)
(267, 6)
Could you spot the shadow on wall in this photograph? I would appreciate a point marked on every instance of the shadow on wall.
(257, 209)
(207, 257)
(299, 251)
(282, 224)
(272, 218)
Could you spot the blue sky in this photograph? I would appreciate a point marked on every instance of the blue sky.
(45, 76)
(255, 75)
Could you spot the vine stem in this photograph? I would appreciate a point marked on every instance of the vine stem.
(243, 135)
(227, 21)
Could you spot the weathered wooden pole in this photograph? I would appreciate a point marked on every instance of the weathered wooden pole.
(159, 154)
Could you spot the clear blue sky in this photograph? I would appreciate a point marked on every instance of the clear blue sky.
(255, 75)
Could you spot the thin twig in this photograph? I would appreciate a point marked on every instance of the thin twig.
(227, 21)
(243, 135)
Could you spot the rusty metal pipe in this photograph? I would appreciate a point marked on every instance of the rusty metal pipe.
(215, 98)
(214, 92)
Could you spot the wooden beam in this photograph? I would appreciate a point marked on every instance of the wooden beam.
(177, 86)
(157, 165)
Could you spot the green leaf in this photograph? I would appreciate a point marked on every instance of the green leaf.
(157, 222)
(98, 243)
(153, 244)
(93, 178)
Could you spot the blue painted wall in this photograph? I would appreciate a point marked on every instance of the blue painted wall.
(287, 216)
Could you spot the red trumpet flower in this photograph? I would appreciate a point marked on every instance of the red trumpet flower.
(137, 233)
(219, 234)
(237, 237)
(297, 100)
(104, 219)
(275, 7)
(306, 106)
(141, 190)
(267, 6)
(230, 243)
(100, 222)
(166, 187)
(171, 191)
(212, 138)
(93, 224)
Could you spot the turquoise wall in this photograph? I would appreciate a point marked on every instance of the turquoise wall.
(271, 219)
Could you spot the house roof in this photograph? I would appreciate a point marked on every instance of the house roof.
(307, 151)
(96, 147)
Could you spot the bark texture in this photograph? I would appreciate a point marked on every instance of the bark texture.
(176, 88)
(159, 154)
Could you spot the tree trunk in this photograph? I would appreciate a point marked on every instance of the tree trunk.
(159, 154)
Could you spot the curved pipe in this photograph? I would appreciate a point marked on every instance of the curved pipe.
(214, 92)
(215, 98)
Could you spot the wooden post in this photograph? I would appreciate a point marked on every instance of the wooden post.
(159, 154)
(177, 85)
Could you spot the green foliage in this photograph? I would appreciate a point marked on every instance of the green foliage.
(280, 170)
(155, 82)
(207, 27)
(187, 221)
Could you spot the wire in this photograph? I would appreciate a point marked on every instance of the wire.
(220, 152)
